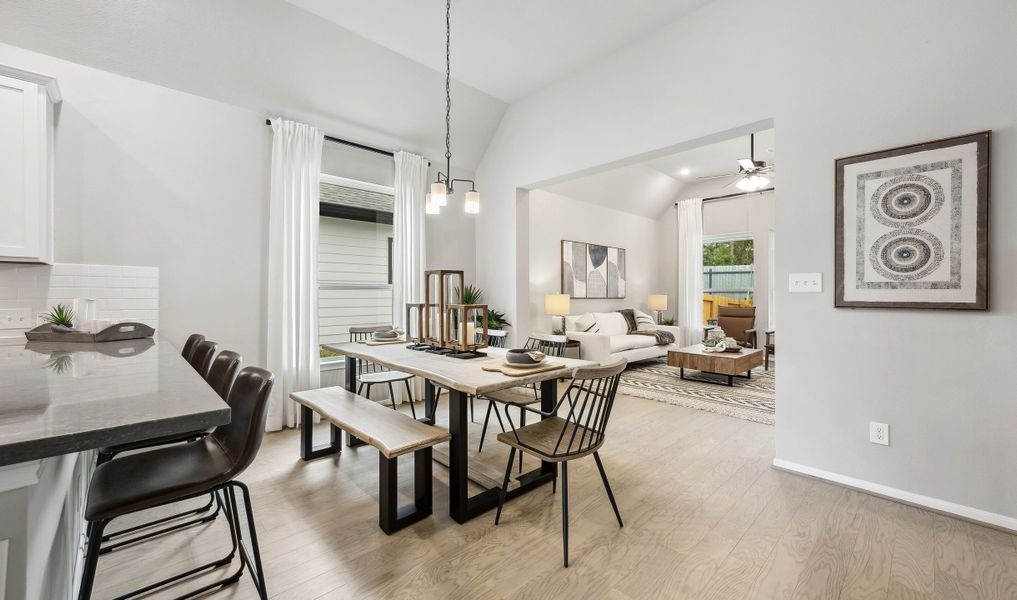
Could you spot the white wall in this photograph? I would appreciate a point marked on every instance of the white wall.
(553, 218)
(150, 176)
(840, 79)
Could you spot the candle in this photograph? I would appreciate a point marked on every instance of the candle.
(468, 333)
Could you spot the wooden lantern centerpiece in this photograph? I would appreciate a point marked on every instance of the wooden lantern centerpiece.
(415, 318)
(438, 288)
(462, 324)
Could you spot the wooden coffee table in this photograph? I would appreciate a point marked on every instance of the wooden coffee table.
(731, 364)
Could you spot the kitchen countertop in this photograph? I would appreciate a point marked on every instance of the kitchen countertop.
(59, 398)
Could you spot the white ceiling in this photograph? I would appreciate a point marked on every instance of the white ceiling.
(648, 188)
(505, 48)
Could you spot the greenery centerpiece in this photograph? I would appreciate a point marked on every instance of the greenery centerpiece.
(60, 315)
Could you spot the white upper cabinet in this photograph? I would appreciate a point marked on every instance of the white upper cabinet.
(27, 102)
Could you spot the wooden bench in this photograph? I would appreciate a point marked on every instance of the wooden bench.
(391, 432)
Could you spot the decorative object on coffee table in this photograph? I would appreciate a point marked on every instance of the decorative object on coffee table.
(592, 270)
(912, 226)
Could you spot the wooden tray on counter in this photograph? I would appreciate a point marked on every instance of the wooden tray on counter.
(120, 331)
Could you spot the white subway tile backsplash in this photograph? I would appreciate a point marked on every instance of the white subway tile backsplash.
(120, 292)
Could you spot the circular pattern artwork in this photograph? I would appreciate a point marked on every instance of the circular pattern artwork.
(906, 254)
(907, 200)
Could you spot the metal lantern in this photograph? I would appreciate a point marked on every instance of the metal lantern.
(415, 319)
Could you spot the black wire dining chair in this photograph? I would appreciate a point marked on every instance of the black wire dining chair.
(589, 399)
(371, 374)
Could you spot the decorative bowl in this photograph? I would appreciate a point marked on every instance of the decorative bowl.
(733, 349)
(385, 335)
(522, 356)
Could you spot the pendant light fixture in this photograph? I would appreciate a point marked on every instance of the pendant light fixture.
(444, 184)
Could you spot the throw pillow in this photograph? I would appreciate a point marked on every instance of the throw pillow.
(644, 322)
(587, 324)
(611, 323)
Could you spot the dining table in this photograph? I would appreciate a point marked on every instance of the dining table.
(463, 378)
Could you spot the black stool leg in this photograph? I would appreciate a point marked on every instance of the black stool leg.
(409, 398)
(253, 560)
(565, 511)
(91, 559)
(504, 484)
(391, 396)
(607, 486)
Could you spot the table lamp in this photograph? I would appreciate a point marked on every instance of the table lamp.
(657, 302)
(556, 305)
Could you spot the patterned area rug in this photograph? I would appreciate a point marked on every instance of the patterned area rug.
(749, 399)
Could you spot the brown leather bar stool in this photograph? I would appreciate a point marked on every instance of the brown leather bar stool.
(220, 378)
(192, 342)
(166, 475)
(201, 358)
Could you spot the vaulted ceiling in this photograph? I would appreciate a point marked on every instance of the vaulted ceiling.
(506, 48)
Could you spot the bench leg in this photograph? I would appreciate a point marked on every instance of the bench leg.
(308, 451)
(392, 518)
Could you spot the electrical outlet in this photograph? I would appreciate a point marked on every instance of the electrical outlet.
(805, 283)
(879, 433)
(15, 318)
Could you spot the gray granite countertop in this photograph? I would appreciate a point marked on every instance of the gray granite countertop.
(57, 398)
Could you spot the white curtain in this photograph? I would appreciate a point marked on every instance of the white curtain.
(690, 271)
(408, 233)
(292, 352)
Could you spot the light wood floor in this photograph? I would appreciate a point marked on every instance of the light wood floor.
(705, 517)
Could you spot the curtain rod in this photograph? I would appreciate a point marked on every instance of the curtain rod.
(735, 195)
(364, 147)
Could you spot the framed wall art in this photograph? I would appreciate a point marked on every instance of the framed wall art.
(592, 270)
(912, 226)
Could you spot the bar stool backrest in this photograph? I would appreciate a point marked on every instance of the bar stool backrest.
(248, 400)
(222, 372)
(202, 357)
(192, 342)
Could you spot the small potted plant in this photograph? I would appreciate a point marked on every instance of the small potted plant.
(60, 318)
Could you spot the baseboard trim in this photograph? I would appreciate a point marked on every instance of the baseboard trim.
(952, 509)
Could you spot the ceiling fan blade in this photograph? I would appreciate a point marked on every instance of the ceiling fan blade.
(721, 176)
(746, 164)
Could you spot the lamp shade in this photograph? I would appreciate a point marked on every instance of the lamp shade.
(430, 207)
(657, 302)
(439, 194)
(556, 304)
(471, 202)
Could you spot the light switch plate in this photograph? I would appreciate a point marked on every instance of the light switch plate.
(16, 318)
(805, 283)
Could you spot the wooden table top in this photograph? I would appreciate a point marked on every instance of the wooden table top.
(699, 349)
(465, 375)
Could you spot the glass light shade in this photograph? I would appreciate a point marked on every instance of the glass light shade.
(439, 194)
(430, 207)
(556, 304)
(752, 183)
(472, 202)
(760, 181)
(657, 302)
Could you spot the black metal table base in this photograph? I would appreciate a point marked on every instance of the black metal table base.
(730, 378)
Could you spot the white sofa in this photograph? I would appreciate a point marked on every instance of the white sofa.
(612, 339)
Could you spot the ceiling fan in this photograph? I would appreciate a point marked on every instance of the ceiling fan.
(751, 172)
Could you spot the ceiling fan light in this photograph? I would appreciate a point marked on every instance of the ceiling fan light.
(471, 202)
(760, 181)
(745, 184)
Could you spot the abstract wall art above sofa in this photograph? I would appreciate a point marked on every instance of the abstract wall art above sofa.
(592, 270)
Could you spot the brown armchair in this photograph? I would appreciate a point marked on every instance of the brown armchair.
(738, 322)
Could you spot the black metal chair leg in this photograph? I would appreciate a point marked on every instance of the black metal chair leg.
(554, 480)
(504, 484)
(483, 430)
(409, 398)
(565, 511)
(522, 423)
(472, 420)
(254, 560)
(360, 389)
(607, 486)
(391, 396)
(91, 559)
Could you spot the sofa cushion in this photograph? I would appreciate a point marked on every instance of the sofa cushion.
(585, 323)
(612, 323)
(644, 322)
(620, 343)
